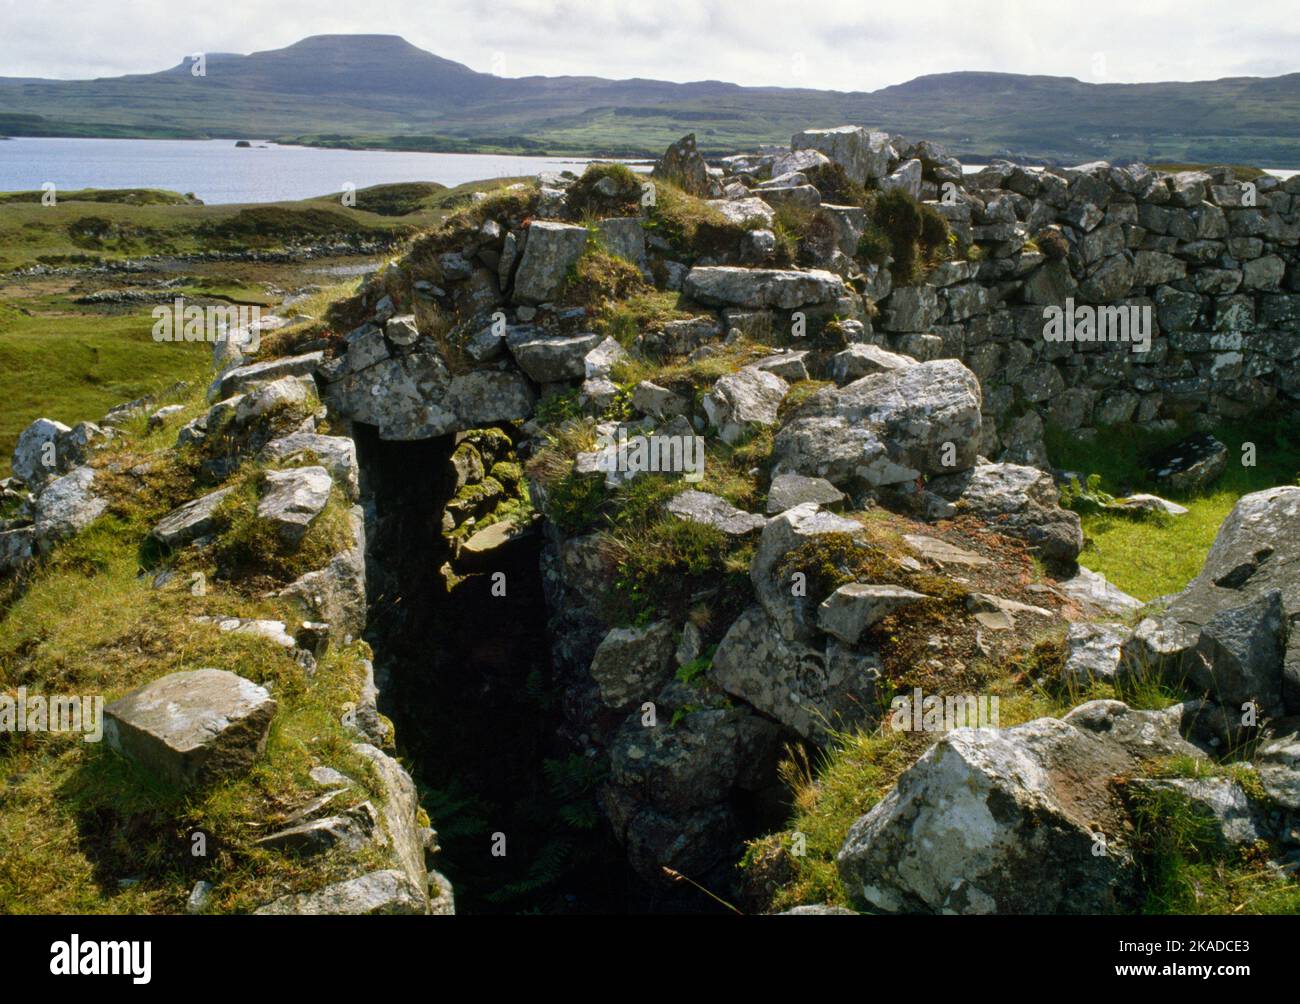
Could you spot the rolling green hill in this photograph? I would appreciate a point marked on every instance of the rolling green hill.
(381, 91)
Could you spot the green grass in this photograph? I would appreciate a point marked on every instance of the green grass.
(107, 225)
(1157, 556)
(85, 830)
(125, 196)
(75, 364)
(1185, 868)
(1242, 172)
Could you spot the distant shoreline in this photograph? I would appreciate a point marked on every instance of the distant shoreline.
(970, 161)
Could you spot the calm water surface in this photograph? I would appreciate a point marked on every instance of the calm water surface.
(219, 172)
(216, 171)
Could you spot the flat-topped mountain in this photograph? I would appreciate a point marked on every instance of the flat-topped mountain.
(380, 90)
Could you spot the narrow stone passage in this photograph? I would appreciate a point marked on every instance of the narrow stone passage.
(463, 665)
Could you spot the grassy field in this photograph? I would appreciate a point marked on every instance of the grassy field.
(67, 364)
(1155, 556)
(83, 228)
(85, 831)
(71, 361)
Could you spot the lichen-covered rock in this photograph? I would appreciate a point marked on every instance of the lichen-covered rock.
(1092, 653)
(242, 378)
(336, 594)
(292, 499)
(631, 664)
(35, 457)
(968, 826)
(385, 892)
(67, 505)
(710, 510)
(695, 762)
(658, 402)
(1239, 654)
(862, 360)
(17, 547)
(887, 428)
(1096, 595)
(551, 358)
(743, 211)
(337, 453)
(486, 396)
(907, 178)
(193, 727)
(742, 402)
(405, 397)
(683, 166)
(242, 410)
(809, 690)
(1278, 765)
(1192, 464)
(912, 308)
(1021, 501)
(190, 521)
(405, 839)
(778, 590)
(790, 490)
(680, 337)
(550, 250)
(863, 155)
(1252, 650)
(625, 237)
(785, 289)
(600, 361)
(857, 606)
(789, 366)
(1228, 818)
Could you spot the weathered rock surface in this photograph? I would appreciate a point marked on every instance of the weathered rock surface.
(786, 289)
(67, 505)
(1092, 652)
(631, 664)
(804, 688)
(337, 453)
(790, 490)
(1020, 501)
(683, 166)
(292, 499)
(549, 252)
(547, 359)
(968, 827)
(193, 727)
(35, 457)
(742, 402)
(1232, 629)
(862, 360)
(385, 892)
(857, 606)
(243, 378)
(777, 588)
(336, 594)
(863, 155)
(1193, 464)
(1218, 802)
(887, 428)
(190, 521)
(710, 510)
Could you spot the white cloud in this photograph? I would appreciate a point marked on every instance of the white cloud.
(844, 44)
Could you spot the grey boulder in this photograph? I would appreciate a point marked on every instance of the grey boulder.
(193, 727)
(292, 499)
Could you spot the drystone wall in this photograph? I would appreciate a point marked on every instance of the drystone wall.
(1182, 290)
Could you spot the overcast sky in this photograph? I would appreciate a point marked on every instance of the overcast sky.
(836, 44)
